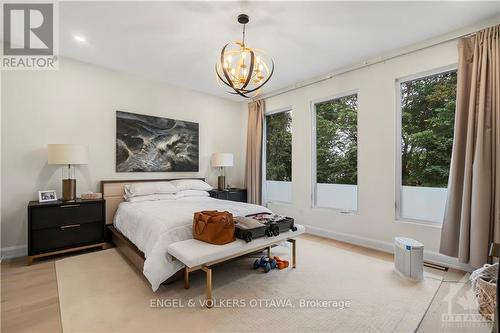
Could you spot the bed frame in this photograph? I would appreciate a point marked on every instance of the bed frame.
(112, 192)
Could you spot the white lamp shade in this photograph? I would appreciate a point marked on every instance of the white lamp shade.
(222, 160)
(67, 154)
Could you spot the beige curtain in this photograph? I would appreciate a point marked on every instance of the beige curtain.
(253, 172)
(472, 217)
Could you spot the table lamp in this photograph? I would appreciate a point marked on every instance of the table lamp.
(221, 160)
(68, 154)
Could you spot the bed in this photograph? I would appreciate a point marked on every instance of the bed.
(142, 231)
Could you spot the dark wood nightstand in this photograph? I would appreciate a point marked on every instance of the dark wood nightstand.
(233, 194)
(60, 227)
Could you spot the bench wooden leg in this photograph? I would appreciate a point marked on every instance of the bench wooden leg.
(294, 252)
(209, 301)
(186, 277)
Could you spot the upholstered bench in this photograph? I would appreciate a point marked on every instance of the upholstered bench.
(195, 254)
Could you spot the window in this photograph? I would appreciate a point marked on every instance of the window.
(335, 137)
(426, 119)
(278, 157)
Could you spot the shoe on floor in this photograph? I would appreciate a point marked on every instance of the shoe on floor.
(280, 263)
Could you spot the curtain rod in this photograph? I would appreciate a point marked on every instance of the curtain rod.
(398, 53)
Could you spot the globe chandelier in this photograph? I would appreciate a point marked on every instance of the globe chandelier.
(242, 68)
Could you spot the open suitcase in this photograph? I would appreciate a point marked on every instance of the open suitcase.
(260, 225)
(249, 228)
(284, 225)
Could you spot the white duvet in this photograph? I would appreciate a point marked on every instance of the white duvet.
(153, 225)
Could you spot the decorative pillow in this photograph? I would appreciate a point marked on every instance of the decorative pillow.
(191, 184)
(148, 188)
(192, 193)
(152, 197)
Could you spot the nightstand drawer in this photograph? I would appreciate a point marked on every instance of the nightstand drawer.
(222, 195)
(65, 236)
(234, 194)
(51, 217)
(240, 196)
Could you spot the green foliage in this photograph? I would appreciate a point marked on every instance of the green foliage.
(428, 113)
(279, 146)
(336, 141)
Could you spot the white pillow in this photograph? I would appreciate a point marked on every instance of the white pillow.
(163, 196)
(191, 184)
(152, 197)
(192, 193)
(148, 188)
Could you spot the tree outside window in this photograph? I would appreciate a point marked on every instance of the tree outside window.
(279, 146)
(337, 141)
(428, 116)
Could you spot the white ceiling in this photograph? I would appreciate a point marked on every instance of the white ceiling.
(179, 42)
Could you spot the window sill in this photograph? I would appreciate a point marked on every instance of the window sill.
(337, 210)
(437, 225)
(279, 202)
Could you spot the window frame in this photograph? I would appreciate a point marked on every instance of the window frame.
(314, 166)
(264, 153)
(399, 127)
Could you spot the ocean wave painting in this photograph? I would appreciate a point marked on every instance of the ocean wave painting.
(149, 144)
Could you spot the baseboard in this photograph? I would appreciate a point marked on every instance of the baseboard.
(429, 256)
(14, 251)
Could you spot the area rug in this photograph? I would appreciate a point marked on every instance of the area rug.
(331, 289)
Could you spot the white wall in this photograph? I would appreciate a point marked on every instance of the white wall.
(77, 104)
(375, 219)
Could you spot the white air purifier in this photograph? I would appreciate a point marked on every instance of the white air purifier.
(409, 258)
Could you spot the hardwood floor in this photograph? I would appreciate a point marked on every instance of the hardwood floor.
(30, 301)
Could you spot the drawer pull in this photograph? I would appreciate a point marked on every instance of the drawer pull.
(69, 226)
(67, 206)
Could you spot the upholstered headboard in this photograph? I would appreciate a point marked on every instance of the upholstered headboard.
(112, 192)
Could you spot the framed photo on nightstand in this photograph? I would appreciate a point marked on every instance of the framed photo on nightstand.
(47, 196)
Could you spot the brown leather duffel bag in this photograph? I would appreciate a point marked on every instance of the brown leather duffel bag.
(213, 227)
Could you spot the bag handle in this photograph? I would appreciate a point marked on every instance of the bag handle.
(197, 228)
(200, 218)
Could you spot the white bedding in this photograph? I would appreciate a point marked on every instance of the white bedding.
(153, 225)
